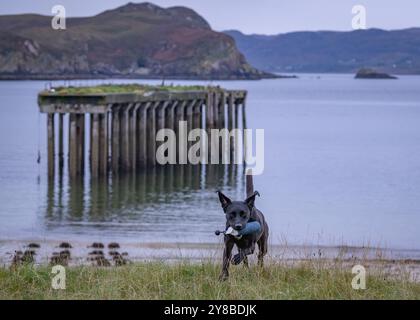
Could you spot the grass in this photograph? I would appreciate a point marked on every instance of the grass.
(119, 88)
(154, 280)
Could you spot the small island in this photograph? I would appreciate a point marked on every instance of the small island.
(372, 74)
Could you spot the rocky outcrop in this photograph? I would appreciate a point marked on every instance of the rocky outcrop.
(372, 74)
(135, 40)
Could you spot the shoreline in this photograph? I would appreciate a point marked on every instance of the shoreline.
(81, 252)
(273, 76)
(4, 77)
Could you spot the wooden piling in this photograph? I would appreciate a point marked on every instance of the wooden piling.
(197, 115)
(244, 126)
(143, 112)
(61, 141)
(115, 150)
(103, 144)
(125, 137)
(161, 119)
(215, 109)
(95, 146)
(180, 116)
(138, 135)
(209, 110)
(198, 123)
(236, 126)
(160, 116)
(73, 148)
(80, 137)
(51, 144)
(221, 125)
(230, 120)
(170, 115)
(189, 118)
(151, 134)
(230, 124)
(90, 136)
(222, 111)
(209, 120)
(134, 137)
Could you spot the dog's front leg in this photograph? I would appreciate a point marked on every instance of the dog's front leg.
(242, 255)
(227, 253)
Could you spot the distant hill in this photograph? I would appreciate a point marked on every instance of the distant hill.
(135, 40)
(326, 51)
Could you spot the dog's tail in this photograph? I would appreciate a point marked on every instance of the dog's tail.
(249, 183)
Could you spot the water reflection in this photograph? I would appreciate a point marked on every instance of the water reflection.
(178, 200)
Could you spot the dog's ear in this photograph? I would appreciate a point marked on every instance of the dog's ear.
(224, 201)
(251, 200)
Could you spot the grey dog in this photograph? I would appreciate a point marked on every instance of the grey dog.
(238, 214)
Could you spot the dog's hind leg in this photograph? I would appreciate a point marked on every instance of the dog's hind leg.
(227, 253)
(261, 254)
(262, 249)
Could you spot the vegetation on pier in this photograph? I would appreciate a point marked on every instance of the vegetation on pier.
(119, 88)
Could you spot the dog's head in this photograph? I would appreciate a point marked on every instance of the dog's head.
(237, 213)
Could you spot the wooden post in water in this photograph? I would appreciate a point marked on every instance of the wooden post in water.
(230, 124)
(125, 137)
(80, 140)
(134, 136)
(236, 127)
(230, 119)
(179, 116)
(51, 144)
(222, 111)
(196, 115)
(209, 121)
(61, 141)
(197, 123)
(215, 109)
(170, 115)
(209, 110)
(221, 126)
(143, 119)
(103, 144)
(151, 134)
(160, 116)
(73, 145)
(160, 119)
(189, 117)
(90, 117)
(115, 150)
(94, 166)
(236, 115)
(244, 126)
(138, 134)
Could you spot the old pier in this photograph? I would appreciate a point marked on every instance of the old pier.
(118, 129)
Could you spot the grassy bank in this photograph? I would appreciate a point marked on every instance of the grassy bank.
(200, 281)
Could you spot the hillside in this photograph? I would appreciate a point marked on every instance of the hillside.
(326, 51)
(135, 40)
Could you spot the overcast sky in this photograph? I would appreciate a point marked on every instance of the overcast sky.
(254, 16)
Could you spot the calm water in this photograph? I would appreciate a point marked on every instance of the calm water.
(342, 166)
